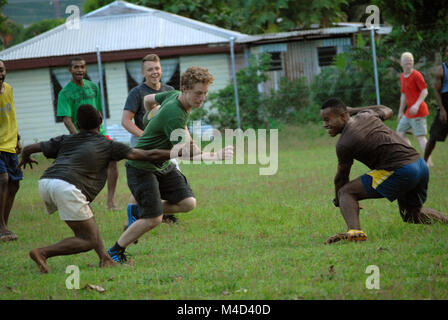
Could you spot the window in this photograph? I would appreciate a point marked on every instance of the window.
(170, 73)
(276, 62)
(61, 76)
(326, 55)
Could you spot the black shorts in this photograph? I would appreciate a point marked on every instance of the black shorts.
(439, 131)
(8, 164)
(149, 188)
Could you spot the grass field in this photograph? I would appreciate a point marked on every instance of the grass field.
(250, 237)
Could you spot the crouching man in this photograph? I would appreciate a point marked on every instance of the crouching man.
(72, 182)
(398, 171)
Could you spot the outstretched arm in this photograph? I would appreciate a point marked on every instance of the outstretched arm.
(384, 112)
(160, 155)
(149, 155)
(26, 155)
(190, 151)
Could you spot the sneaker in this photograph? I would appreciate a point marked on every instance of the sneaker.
(169, 218)
(132, 213)
(351, 235)
(356, 235)
(119, 257)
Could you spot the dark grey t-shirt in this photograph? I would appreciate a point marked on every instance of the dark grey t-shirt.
(367, 139)
(82, 160)
(134, 102)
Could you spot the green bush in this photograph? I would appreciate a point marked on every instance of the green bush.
(253, 111)
(286, 103)
(351, 78)
(257, 110)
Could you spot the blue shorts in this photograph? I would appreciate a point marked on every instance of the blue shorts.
(408, 184)
(8, 164)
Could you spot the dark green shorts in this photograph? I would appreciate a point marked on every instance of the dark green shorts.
(149, 188)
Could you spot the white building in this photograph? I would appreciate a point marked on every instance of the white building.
(124, 34)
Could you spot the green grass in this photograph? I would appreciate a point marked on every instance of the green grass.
(250, 237)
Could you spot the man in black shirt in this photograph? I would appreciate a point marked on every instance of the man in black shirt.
(77, 175)
(132, 117)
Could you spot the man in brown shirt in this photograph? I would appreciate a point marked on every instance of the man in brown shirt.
(398, 171)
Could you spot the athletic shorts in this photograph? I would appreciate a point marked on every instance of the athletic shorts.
(438, 131)
(149, 188)
(8, 164)
(418, 125)
(408, 184)
(64, 197)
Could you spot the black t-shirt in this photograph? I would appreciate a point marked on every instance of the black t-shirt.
(134, 102)
(367, 139)
(82, 160)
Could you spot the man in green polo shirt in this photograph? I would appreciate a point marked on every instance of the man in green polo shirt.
(81, 91)
(158, 186)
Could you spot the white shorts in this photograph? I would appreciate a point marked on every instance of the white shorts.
(64, 197)
(418, 125)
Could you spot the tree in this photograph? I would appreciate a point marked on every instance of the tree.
(41, 27)
(13, 33)
(90, 5)
(419, 26)
(249, 16)
(3, 27)
(351, 77)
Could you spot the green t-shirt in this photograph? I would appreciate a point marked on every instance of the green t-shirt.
(72, 96)
(169, 122)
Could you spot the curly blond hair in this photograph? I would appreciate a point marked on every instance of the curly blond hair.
(194, 75)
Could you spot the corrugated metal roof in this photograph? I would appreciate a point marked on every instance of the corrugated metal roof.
(120, 26)
(294, 34)
(341, 28)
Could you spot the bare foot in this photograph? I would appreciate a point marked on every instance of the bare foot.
(40, 260)
(434, 215)
(113, 207)
(8, 236)
(107, 262)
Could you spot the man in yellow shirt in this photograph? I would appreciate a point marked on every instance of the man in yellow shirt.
(10, 147)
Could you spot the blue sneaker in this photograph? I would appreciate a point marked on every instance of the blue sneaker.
(119, 257)
(132, 213)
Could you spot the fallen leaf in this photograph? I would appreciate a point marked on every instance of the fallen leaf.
(13, 290)
(241, 290)
(95, 287)
(331, 269)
